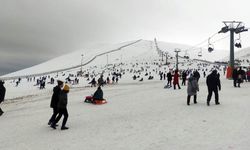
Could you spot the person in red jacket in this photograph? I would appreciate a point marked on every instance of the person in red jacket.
(176, 79)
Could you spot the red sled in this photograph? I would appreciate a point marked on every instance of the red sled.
(89, 99)
(99, 102)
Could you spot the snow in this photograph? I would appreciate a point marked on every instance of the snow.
(138, 115)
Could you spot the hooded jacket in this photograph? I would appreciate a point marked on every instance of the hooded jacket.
(193, 86)
(98, 94)
(213, 81)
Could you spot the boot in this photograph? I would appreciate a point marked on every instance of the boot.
(195, 97)
(64, 128)
(53, 125)
(188, 100)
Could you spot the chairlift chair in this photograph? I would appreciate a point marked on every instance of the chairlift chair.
(200, 53)
(210, 48)
(186, 55)
(238, 42)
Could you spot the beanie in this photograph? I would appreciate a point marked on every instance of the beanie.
(66, 87)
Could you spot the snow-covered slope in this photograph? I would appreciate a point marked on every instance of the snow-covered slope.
(118, 52)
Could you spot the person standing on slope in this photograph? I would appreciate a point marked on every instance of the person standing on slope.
(169, 77)
(192, 89)
(2, 95)
(213, 85)
(235, 76)
(184, 77)
(176, 79)
(54, 100)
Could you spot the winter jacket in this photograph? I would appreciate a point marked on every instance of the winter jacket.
(169, 76)
(213, 81)
(235, 74)
(184, 76)
(2, 92)
(98, 94)
(63, 100)
(55, 97)
(193, 86)
(176, 78)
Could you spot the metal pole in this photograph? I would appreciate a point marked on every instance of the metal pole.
(81, 62)
(107, 60)
(162, 56)
(177, 62)
(166, 58)
(231, 63)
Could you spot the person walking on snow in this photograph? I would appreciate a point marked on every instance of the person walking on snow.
(192, 89)
(176, 79)
(62, 108)
(2, 95)
(54, 100)
(169, 77)
(184, 77)
(213, 85)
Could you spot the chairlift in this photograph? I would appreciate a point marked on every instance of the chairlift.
(238, 42)
(210, 46)
(186, 55)
(200, 53)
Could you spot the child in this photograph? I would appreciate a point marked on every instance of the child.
(62, 108)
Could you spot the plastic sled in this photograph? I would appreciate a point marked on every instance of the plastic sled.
(99, 102)
(89, 99)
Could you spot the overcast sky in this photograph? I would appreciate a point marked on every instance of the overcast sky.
(32, 31)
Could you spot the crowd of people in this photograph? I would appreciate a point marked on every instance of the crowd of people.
(189, 77)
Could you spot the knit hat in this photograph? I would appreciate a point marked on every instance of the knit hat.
(66, 87)
(59, 82)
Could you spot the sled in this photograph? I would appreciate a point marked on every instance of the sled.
(89, 99)
(99, 102)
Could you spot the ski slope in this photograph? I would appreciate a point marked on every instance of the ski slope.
(138, 115)
(141, 116)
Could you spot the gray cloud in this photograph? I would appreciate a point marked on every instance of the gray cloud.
(48, 28)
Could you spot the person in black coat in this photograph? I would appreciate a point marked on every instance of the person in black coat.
(235, 76)
(241, 74)
(98, 95)
(62, 108)
(184, 78)
(54, 100)
(169, 76)
(213, 85)
(2, 95)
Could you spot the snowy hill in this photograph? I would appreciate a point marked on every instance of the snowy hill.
(242, 56)
(104, 54)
